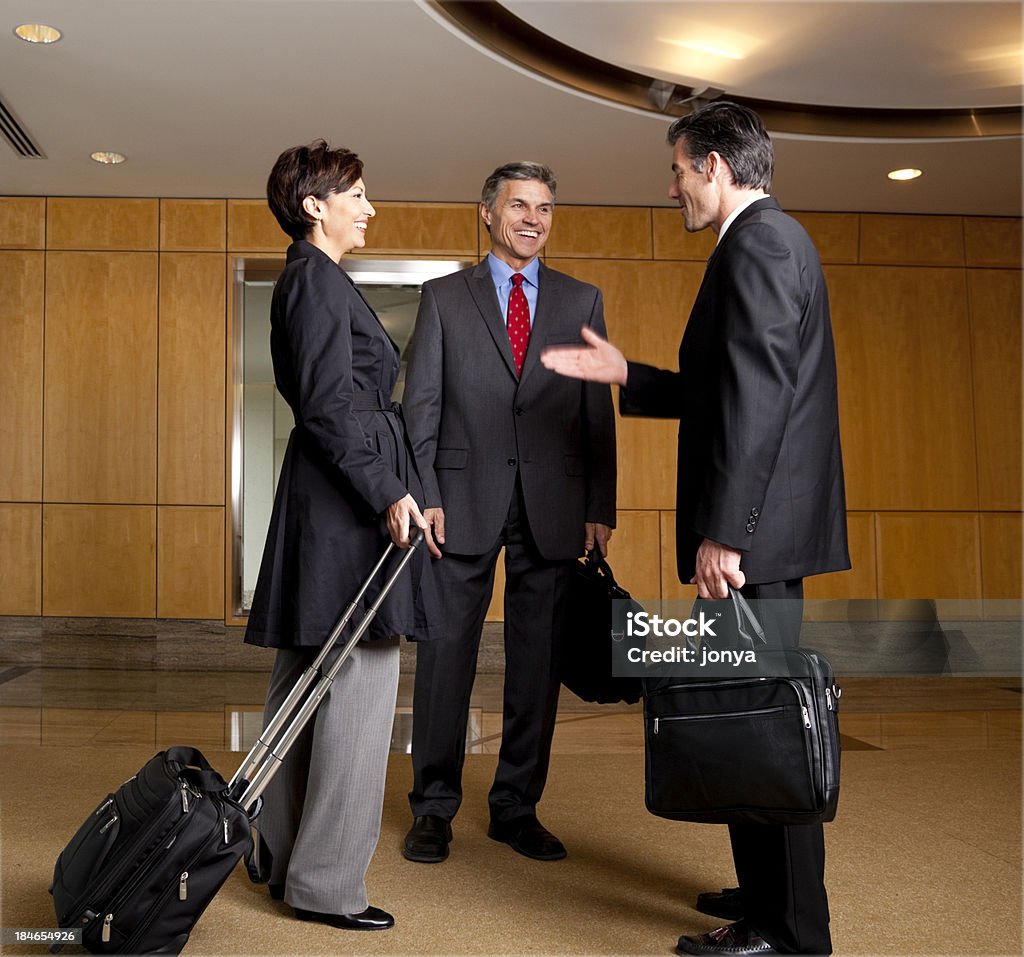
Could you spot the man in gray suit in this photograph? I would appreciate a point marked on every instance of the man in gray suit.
(510, 456)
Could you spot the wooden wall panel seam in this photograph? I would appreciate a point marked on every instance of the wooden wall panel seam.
(156, 409)
(42, 383)
(879, 558)
(973, 390)
(661, 544)
(878, 554)
(981, 555)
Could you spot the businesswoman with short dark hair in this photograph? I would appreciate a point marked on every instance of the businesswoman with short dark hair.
(348, 482)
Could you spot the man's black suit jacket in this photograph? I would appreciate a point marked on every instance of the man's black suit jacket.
(760, 467)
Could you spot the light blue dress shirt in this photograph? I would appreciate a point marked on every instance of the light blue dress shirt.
(502, 273)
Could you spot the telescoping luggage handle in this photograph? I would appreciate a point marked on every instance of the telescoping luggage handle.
(273, 744)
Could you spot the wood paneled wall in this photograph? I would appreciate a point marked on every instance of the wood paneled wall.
(115, 426)
(113, 330)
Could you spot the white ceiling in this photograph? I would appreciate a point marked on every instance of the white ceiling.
(911, 55)
(202, 95)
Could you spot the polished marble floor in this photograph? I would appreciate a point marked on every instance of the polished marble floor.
(92, 686)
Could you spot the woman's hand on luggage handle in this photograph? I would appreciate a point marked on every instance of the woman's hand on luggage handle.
(400, 516)
(598, 361)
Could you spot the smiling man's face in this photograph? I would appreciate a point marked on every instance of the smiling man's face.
(520, 221)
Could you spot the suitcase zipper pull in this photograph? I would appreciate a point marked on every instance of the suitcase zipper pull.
(828, 698)
(104, 806)
(105, 933)
(183, 886)
(807, 717)
(186, 790)
(227, 839)
(656, 725)
(106, 827)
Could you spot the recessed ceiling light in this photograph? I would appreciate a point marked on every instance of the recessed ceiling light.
(108, 157)
(37, 33)
(903, 174)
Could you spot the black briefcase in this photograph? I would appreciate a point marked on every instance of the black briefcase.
(592, 639)
(760, 747)
(148, 860)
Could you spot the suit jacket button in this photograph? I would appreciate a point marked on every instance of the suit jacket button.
(519, 410)
(511, 461)
(750, 526)
(754, 512)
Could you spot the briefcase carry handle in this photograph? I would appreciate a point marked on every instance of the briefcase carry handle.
(749, 632)
(598, 565)
(747, 625)
(266, 755)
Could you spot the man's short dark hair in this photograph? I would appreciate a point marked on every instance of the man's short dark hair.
(736, 133)
(518, 171)
(313, 170)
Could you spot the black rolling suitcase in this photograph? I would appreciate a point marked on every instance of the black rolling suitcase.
(143, 867)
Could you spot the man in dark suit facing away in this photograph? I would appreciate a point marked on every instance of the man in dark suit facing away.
(511, 455)
(760, 498)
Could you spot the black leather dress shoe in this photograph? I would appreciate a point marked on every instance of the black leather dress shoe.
(735, 940)
(428, 839)
(373, 918)
(528, 837)
(726, 903)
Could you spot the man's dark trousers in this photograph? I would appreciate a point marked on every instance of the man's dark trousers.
(772, 861)
(535, 602)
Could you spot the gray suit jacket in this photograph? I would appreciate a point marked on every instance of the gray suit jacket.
(474, 425)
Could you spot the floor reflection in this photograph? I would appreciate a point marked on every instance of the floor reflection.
(223, 711)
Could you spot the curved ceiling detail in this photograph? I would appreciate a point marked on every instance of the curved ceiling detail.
(495, 27)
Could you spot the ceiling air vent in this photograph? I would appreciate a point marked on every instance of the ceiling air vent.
(17, 136)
